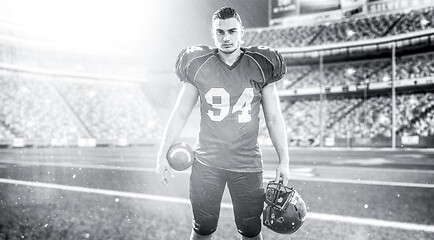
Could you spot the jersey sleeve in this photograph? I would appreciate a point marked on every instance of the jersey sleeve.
(183, 67)
(271, 61)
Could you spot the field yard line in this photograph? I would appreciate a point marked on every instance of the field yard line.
(368, 168)
(95, 190)
(268, 175)
(299, 176)
(77, 165)
(365, 182)
(311, 215)
(351, 181)
(371, 222)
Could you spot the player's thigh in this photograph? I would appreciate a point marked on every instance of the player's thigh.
(206, 191)
(247, 193)
(247, 187)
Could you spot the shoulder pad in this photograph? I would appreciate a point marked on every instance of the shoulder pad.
(188, 55)
(272, 63)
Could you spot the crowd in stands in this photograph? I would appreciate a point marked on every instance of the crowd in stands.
(30, 109)
(359, 72)
(41, 107)
(353, 29)
(372, 118)
(359, 118)
(111, 110)
(417, 116)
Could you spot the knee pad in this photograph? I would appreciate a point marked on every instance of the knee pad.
(249, 227)
(206, 226)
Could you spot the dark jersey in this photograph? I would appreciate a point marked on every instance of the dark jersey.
(230, 99)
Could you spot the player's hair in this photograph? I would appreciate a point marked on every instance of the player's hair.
(225, 13)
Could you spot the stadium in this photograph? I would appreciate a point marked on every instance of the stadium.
(86, 89)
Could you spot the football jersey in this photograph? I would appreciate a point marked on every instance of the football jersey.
(230, 99)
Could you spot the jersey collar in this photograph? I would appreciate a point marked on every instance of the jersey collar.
(235, 64)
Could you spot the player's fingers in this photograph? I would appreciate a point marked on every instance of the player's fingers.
(277, 179)
(165, 181)
(160, 173)
(170, 171)
(285, 180)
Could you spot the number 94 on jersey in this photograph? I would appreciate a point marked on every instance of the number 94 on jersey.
(219, 99)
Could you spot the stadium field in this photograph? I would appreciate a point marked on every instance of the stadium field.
(113, 193)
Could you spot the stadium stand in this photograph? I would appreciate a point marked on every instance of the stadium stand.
(30, 109)
(353, 29)
(356, 117)
(360, 72)
(111, 110)
(43, 109)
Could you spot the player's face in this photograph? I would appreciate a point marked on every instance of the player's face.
(227, 34)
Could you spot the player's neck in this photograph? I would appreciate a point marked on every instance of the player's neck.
(230, 58)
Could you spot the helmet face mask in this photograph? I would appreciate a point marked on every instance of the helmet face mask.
(285, 211)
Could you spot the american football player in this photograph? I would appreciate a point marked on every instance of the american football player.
(232, 83)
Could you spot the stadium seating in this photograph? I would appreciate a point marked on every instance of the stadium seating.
(111, 110)
(41, 108)
(416, 118)
(354, 117)
(348, 30)
(359, 72)
(31, 109)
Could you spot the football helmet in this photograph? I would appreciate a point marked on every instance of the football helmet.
(285, 211)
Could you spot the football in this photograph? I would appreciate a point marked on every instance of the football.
(180, 156)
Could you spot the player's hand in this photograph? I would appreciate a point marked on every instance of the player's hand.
(282, 173)
(163, 170)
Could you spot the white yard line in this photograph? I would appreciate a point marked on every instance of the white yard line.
(77, 165)
(269, 175)
(367, 168)
(366, 182)
(310, 215)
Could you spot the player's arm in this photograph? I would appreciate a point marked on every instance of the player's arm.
(187, 98)
(277, 130)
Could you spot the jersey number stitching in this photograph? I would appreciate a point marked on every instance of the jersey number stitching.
(219, 99)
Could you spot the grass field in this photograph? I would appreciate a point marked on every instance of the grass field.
(113, 194)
